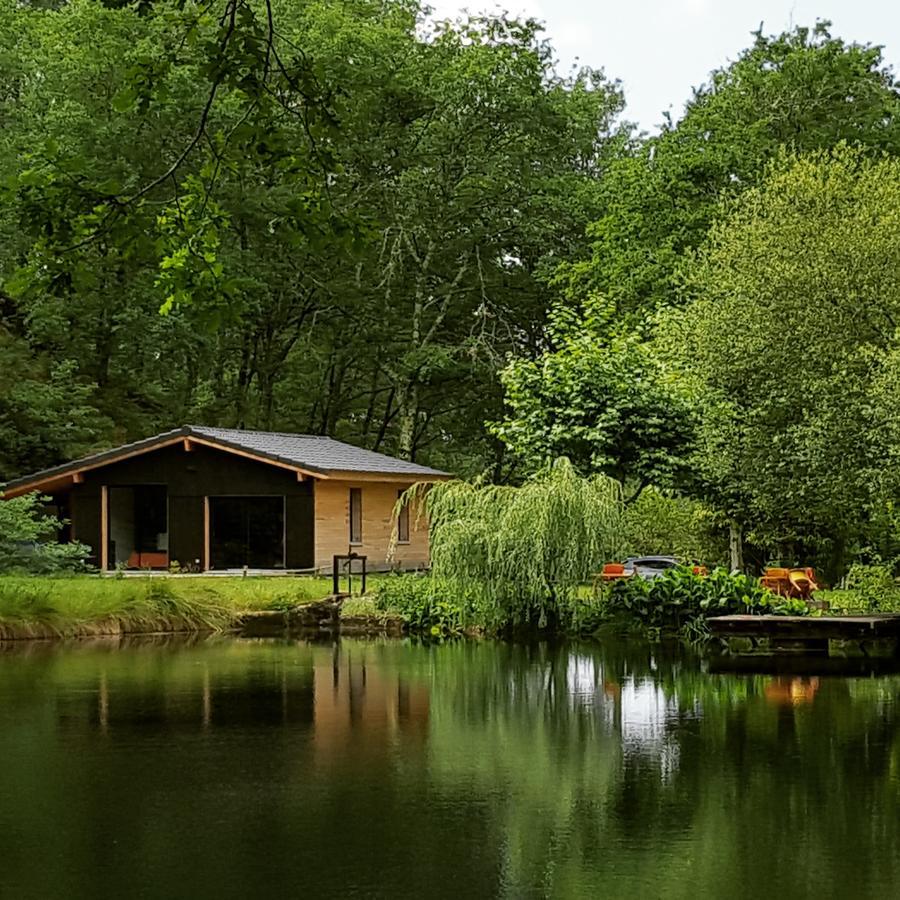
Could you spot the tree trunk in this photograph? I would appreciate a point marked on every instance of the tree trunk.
(736, 546)
(408, 412)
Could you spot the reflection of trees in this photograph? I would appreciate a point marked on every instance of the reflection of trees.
(661, 774)
(566, 770)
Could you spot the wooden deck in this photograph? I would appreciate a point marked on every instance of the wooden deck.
(835, 636)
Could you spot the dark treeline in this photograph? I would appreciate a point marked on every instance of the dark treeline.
(346, 218)
(343, 213)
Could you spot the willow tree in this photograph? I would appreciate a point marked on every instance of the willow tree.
(519, 554)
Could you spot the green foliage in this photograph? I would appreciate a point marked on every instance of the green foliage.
(429, 607)
(28, 539)
(602, 404)
(678, 597)
(805, 90)
(789, 346)
(518, 554)
(658, 523)
(875, 587)
(342, 210)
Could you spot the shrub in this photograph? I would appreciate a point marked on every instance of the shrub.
(874, 585)
(424, 603)
(26, 544)
(678, 597)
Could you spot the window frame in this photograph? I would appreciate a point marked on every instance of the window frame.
(356, 538)
(402, 520)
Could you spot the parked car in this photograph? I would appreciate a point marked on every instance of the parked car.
(649, 567)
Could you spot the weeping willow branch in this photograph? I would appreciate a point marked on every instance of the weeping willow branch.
(518, 554)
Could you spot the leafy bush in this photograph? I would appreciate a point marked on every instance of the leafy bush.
(657, 523)
(678, 597)
(423, 603)
(26, 544)
(874, 586)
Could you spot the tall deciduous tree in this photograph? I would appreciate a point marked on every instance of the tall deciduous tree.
(340, 209)
(603, 404)
(803, 90)
(789, 344)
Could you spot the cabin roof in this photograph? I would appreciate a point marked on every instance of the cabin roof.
(312, 455)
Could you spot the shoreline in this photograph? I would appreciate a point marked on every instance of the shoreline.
(85, 606)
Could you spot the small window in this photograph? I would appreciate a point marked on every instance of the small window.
(355, 515)
(403, 521)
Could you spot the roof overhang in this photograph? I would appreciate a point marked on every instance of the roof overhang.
(390, 477)
(65, 476)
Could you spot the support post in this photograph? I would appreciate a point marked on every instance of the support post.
(104, 528)
(205, 562)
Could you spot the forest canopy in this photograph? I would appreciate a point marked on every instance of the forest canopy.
(418, 236)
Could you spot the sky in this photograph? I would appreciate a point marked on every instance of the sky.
(661, 49)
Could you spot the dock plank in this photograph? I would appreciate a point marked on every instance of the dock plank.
(808, 627)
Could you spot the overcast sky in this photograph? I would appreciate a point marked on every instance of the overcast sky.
(660, 49)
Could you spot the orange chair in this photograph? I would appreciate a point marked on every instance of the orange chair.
(776, 580)
(613, 572)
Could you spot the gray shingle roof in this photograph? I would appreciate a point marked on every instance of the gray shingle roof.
(315, 453)
(311, 451)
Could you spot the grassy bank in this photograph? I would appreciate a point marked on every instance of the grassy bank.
(83, 605)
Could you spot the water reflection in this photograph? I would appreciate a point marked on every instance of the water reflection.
(236, 768)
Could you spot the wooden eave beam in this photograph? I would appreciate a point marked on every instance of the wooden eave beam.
(390, 478)
(63, 479)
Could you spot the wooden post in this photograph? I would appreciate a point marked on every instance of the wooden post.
(104, 528)
(205, 562)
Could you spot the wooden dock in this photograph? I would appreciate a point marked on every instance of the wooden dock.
(874, 636)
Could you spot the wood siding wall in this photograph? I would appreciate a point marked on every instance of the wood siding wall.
(332, 528)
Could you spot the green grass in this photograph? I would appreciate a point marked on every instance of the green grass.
(72, 605)
(360, 606)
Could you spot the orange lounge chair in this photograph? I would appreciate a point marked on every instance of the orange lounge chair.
(801, 584)
(777, 581)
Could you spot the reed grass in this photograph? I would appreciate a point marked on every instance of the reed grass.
(43, 607)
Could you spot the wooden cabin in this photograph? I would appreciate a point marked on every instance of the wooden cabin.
(225, 499)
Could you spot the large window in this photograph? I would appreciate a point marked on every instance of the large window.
(138, 526)
(355, 515)
(246, 531)
(403, 521)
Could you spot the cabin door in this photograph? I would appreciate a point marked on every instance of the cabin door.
(246, 531)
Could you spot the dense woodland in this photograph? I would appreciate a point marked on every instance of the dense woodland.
(419, 236)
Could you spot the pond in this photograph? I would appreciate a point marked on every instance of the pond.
(372, 768)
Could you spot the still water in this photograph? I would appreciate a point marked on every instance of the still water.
(233, 768)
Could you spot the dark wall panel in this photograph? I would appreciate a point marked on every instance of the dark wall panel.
(186, 529)
(299, 518)
(86, 517)
(190, 476)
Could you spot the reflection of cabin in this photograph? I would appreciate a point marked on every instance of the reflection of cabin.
(217, 498)
(370, 703)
